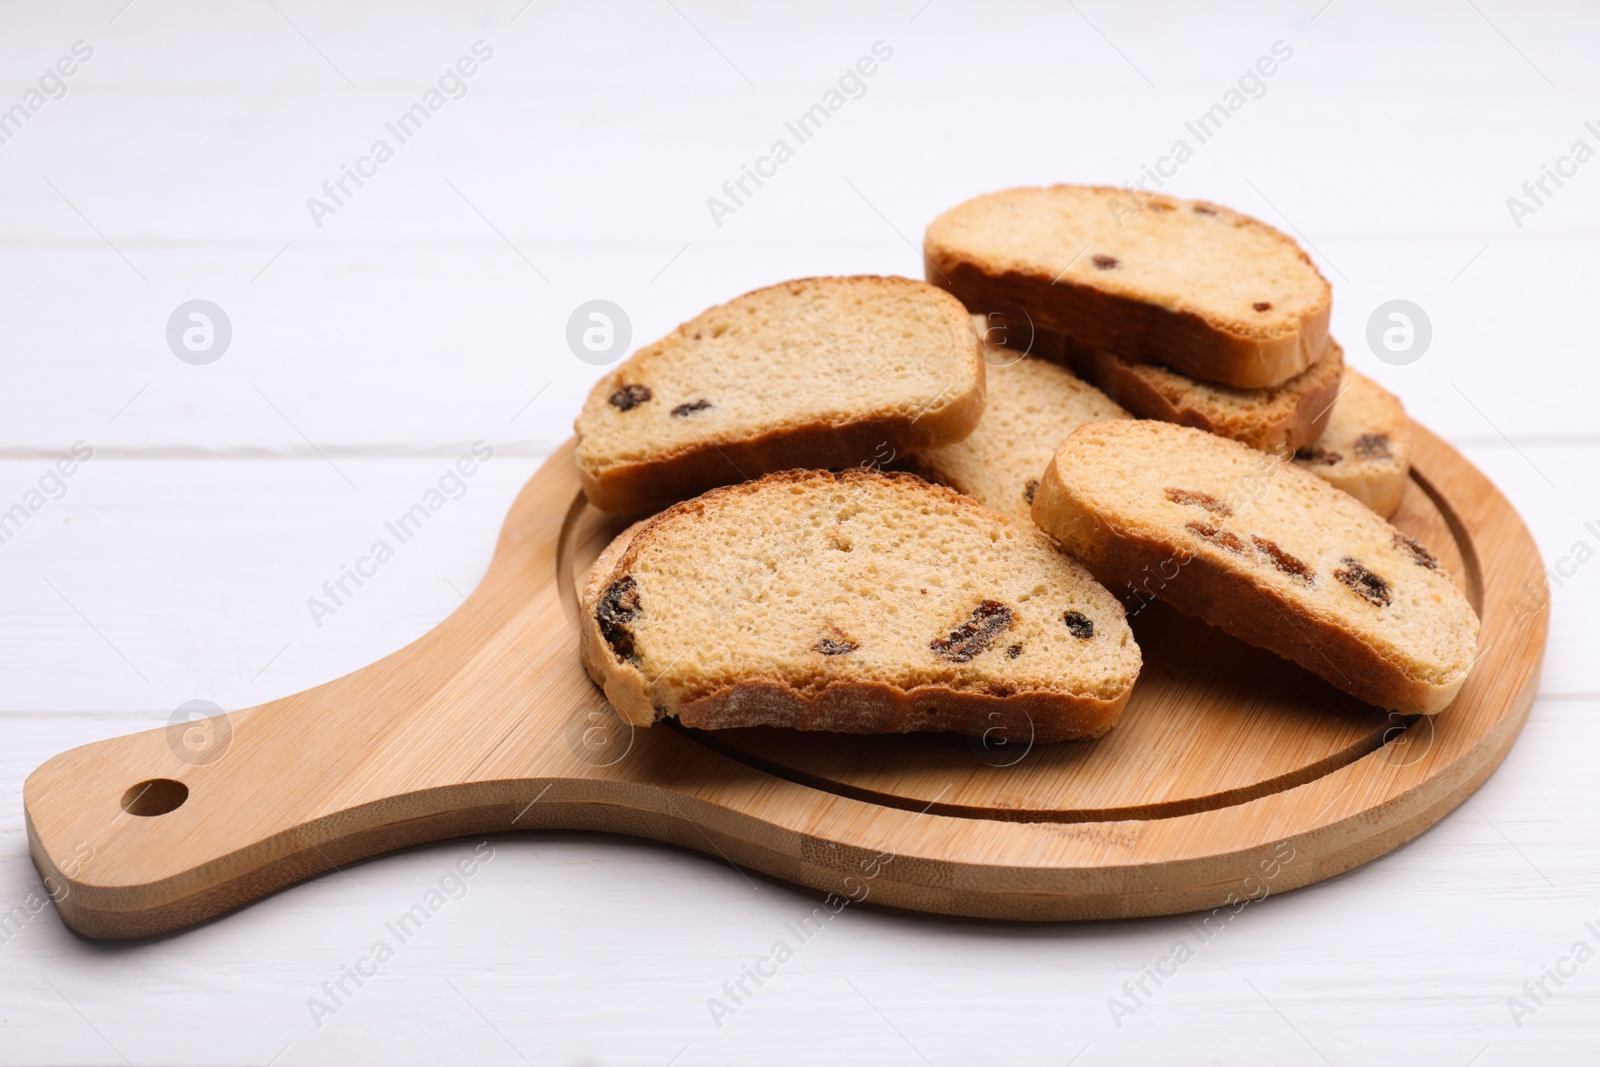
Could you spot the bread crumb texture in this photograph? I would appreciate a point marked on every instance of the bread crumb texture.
(1271, 418)
(1120, 492)
(816, 351)
(1032, 406)
(809, 579)
(1183, 255)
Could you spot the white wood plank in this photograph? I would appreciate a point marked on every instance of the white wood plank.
(192, 577)
(558, 930)
(408, 327)
(409, 305)
(361, 349)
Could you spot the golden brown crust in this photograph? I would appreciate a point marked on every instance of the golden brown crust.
(639, 487)
(843, 707)
(1122, 559)
(590, 647)
(606, 561)
(1184, 340)
(865, 708)
(1277, 419)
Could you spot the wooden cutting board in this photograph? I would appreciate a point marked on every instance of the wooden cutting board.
(1232, 775)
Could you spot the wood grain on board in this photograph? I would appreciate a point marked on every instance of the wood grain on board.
(1227, 762)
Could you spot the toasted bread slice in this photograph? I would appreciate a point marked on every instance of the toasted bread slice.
(819, 372)
(1366, 449)
(1266, 551)
(1276, 418)
(1196, 287)
(856, 602)
(1032, 406)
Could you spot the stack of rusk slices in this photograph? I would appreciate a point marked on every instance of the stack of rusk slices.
(878, 505)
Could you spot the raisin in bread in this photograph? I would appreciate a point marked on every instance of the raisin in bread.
(1196, 287)
(1267, 552)
(819, 372)
(1032, 406)
(856, 602)
(1275, 418)
(1366, 449)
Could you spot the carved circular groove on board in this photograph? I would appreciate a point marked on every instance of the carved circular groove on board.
(1228, 763)
(1213, 723)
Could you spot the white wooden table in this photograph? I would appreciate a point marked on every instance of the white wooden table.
(428, 311)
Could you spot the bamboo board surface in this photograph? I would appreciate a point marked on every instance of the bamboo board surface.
(1231, 772)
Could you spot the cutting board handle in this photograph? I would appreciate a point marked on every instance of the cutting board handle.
(174, 806)
(431, 741)
(478, 727)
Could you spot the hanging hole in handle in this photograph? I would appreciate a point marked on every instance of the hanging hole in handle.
(155, 797)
